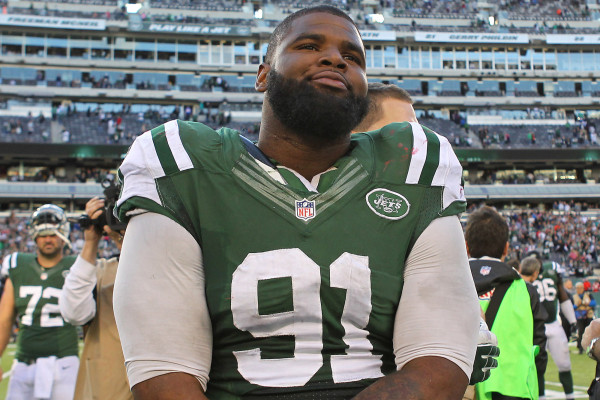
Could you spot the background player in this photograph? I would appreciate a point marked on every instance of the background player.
(46, 359)
(554, 298)
(282, 236)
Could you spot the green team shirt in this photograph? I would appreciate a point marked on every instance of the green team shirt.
(547, 286)
(302, 287)
(42, 330)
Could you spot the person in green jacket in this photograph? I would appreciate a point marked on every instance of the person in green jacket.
(508, 307)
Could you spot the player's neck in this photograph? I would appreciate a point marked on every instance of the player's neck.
(294, 151)
(48, 262)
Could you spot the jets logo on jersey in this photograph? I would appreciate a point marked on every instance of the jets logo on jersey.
(387, 204)
(305, 209)
(485, 270)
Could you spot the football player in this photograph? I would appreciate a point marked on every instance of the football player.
(46, 359)
(301, 266)
(555, 299)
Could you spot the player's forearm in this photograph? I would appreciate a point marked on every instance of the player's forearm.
(5, 333)
(171, 386)
(89, 252)
(567, 308)
(424, 378)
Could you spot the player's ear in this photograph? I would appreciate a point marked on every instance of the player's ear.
(261, 77)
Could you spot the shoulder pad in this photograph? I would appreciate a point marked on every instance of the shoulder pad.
(434, 163)
(10, 261)
(155, 154)
(426, 159)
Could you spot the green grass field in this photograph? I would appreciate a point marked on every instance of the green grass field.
(582, 367)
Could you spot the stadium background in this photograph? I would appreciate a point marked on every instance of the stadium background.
(513, 84)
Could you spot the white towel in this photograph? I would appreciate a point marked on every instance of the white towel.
(44, 377)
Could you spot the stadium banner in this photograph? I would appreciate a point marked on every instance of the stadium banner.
(191, 29)
(53, 22)
(573, 39)
(471, 37)
(378, 35)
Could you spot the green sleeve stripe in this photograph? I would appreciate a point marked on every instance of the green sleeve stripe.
(433, 158)
(163, 150)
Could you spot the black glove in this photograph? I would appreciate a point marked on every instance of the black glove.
(485, 357)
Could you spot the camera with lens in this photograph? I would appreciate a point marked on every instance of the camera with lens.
(111, 195)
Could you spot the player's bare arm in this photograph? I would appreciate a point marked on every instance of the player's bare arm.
(173, 386)
(420, 379)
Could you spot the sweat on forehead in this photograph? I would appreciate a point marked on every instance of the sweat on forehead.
(282, 29)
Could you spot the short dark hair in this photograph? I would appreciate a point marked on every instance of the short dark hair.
(377, 92)
(529, 266)
(486, 233)
(282, 29)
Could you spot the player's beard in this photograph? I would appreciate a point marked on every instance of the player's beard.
(315, 114)
(51, 252)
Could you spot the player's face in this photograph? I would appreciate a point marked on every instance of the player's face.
(49, 245)
(316, 85)
(326, 51)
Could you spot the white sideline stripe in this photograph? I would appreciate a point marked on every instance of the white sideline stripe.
(580, 392)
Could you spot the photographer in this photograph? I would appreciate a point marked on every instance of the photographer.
(86, 299)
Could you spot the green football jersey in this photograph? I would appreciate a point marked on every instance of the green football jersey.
(547, 287)
(42, 330)
(302, 287)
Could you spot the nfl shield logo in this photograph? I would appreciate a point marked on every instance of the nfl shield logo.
(485, 270)
(305, 209)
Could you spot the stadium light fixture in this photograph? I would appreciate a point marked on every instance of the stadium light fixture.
(258, 14)
(132, 8)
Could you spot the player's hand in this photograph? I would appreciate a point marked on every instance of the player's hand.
(485, 357)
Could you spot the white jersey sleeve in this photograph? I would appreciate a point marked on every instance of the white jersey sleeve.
(439, 312)
(76, 301)
(159, 301)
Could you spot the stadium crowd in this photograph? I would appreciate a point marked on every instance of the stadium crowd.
(564, 233)
(99, 126)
